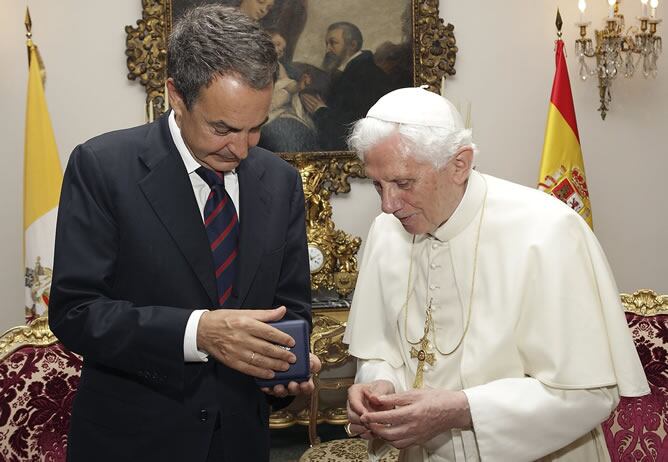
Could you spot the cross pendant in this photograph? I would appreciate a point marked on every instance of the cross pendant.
(422, 357)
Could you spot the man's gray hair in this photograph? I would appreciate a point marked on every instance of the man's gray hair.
(213, 40)
(430, 144)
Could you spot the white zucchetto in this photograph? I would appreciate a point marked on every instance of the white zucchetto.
(417, 106)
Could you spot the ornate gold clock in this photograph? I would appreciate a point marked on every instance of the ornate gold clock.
(332, 252)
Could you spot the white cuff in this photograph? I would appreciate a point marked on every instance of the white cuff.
(369, 370)
(190, 352)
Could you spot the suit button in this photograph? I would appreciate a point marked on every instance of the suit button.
(203, 415)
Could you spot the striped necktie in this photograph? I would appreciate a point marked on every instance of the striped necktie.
(222, 228)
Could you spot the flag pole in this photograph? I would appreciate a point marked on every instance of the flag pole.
(28, 23)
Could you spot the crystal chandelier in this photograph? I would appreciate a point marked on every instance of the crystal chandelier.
(618, 49)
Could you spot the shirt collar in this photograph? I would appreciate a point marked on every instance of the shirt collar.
(344, 64)
(467, 209)
(188, 159)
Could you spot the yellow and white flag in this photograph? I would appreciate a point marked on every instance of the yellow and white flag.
(562, 172)
(43, 177)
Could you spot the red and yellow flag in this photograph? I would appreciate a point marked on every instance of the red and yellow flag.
(562, 171)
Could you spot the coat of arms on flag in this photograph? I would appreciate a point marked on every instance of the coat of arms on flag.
(570, 187)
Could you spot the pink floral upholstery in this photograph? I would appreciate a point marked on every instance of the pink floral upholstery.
(37, 386)
(636, 431)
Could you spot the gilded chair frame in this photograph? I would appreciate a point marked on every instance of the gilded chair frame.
(645, 302)
(36, 333)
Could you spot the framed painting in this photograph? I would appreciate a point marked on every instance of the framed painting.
(336, 59)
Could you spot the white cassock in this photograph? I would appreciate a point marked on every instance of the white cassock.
(547, 351)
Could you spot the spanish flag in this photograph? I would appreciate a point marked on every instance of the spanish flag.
(562, 171)
(43, 176)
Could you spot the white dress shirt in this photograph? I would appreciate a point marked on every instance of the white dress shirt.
(201, 191)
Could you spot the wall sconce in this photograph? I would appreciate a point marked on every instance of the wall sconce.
(616, 49)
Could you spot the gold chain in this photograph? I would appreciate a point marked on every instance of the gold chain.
(429, 322)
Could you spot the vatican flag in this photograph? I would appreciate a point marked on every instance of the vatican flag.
(562, 171)
(43, 176)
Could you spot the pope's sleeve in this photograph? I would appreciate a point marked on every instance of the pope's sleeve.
(521, 419)
(375, 369)
(371, 329)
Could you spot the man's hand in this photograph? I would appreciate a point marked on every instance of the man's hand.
(242, 340)
(312, 102)
(294, 388)
(416, 416)
(364, 398)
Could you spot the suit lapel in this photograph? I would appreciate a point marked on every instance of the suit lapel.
(255, 203)
(169, 191)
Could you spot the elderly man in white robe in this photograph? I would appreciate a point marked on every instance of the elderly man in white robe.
(486, 321)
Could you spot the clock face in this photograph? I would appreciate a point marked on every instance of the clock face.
(316, 258)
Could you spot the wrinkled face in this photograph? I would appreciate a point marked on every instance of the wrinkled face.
(421, 196)
(256, 9)
(224, 122)
(279, 44)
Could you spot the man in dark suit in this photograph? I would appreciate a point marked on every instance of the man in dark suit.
(357, 83)
(138, 277)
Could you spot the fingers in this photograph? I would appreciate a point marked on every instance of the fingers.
(260, 329)
(373, 401)
(356, 429)
(395, 416)
(356, 399)
(255, 359)
(400, 399)
(292, 389)
(314, 363)
(272, 315)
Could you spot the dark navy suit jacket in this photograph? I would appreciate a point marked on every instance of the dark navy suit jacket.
(132, 261)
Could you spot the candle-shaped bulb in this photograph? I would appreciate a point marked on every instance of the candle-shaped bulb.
(644, 8)
(611, 11)
(654, 4)
(582, 6)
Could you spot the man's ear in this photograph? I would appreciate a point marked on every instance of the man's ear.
(462, 162)
(176, 101)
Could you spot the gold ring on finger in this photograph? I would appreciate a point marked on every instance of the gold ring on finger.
(252, 358)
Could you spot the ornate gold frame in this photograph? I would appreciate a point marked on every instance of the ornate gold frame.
(645, 302)
(36, 333)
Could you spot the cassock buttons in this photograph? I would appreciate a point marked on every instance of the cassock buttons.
(203, 415)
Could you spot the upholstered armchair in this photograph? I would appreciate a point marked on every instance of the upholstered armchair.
(38, 380)
(637, 429)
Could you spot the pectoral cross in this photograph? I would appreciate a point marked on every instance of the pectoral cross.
(422, 355)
